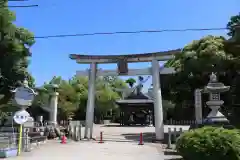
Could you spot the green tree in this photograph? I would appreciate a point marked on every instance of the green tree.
(196, 61)
(234, 20)
(130, 82)
(15, 46)
(73, 95)
(114, 82)
(194, 65)
(105, 100)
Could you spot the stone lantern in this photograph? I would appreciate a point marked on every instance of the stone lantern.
(214, 88)
(54, 103)
(232, 45)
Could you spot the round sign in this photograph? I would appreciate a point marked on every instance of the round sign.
(21, 117)
(24, 96)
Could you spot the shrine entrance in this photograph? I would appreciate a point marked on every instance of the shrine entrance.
(136, 109)
(122, 62)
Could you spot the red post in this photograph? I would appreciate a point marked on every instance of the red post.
(140, 139)
(64, 139)
(101, 137)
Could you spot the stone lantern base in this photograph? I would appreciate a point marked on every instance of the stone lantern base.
(219, 120)
(216, 118)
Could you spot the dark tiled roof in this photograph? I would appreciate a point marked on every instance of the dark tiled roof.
(136, 98)
(139, 95)
(134, 101)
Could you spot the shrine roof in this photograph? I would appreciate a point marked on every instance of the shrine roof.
(109, 58)
(135, 101)
(139, 95)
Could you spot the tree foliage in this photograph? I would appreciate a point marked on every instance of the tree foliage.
(234, 20)
(194, 64)
(209, 143)
(15, 46)
(130, 82)
(73, 95)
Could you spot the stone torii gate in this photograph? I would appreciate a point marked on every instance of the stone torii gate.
(122, 62)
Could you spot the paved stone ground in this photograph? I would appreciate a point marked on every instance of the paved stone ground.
(89, 150)
(93, 151)
(114, 132)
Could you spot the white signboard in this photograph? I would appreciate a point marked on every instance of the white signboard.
(21, 117)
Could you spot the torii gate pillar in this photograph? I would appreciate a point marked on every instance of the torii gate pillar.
(90, 101)
(158, 110)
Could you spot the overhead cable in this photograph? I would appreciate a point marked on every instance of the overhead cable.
(126, 32)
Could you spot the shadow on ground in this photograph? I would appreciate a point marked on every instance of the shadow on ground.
(147, 137)
(116, 125)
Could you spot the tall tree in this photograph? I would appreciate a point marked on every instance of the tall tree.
(234, 20)
(15, 46)
(73, 95)
(196, 61)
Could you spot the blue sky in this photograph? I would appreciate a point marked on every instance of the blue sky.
(50, 56)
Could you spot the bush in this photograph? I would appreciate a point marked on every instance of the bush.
(209, 143)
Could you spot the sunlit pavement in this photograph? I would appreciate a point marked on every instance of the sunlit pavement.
(94, 150)
(128, 150)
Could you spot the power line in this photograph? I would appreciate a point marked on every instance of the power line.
(17, 0)
(16, 6)
(126, 32)
(26, 6)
